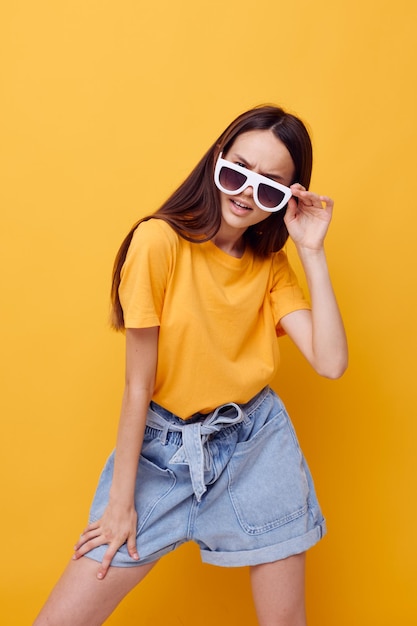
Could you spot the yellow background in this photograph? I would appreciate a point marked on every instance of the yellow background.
(105, 107)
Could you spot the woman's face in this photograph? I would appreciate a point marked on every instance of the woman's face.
(262, 152)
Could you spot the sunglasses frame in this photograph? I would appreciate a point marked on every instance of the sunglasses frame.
(252, 180)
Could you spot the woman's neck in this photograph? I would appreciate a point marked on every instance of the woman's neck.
(233, 248)
(230, 241)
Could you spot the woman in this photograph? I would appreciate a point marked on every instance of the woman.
(205, 449)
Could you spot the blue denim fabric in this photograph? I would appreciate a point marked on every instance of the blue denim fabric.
(234, 481)
(194, 452)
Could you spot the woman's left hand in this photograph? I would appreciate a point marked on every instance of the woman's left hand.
(308, 217)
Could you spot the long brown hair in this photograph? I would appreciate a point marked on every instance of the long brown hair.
(193, 210)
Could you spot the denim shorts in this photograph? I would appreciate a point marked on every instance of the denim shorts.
(234, 481)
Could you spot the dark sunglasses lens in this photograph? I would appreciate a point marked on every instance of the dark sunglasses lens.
(230, 179)
(270, 196)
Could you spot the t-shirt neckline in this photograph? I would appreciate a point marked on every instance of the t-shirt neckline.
(228, 259)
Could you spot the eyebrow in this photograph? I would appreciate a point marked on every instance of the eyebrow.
(276, 177)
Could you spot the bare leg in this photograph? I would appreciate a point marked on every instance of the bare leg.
(80, 599)
(278, 592)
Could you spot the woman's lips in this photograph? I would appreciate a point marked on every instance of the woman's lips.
(240, 207)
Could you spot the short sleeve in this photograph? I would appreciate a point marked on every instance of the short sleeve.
(286, 294)
(145, 273)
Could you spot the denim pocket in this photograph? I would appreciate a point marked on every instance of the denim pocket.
(153, 484)
(268, 485)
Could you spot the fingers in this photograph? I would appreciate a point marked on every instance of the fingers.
(87, 535)
(89, 539)
(106, 562)
(309, 199)
(110, 553)
(131, 547)
(95, 535)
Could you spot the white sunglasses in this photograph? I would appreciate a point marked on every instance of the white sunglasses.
(233, 179)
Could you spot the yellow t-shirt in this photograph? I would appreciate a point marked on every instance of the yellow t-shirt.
(218, 316)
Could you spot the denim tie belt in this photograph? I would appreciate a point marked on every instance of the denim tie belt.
(193, 451)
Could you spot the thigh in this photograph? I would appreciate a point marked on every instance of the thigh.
(278, 591)
(80, 599)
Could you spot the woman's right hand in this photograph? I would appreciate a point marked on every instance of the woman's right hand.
(116, 527)
(118, 523)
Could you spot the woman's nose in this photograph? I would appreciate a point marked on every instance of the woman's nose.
(248, 191)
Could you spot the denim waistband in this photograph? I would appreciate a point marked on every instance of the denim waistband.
(193, 451)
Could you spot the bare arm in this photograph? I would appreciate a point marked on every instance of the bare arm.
(318, 333)
(118, 523)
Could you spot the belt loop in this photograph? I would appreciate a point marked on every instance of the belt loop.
(164, 434)
(246, 418)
